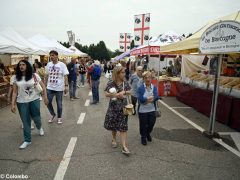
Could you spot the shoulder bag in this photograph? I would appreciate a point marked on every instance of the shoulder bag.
(37, 86)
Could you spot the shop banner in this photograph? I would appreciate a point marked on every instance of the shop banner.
(222, 37)
(141, 29)
(151, 50)
(124, 42)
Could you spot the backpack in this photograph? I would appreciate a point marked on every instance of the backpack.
(96, 73)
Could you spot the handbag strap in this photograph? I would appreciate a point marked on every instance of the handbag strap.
(35, 79)
(129, 101)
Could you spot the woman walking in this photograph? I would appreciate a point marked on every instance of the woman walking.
(26, 97)
(37, 66)
(115, 120)
(147, 97)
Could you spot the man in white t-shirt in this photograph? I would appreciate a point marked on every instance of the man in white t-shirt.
(57, 82)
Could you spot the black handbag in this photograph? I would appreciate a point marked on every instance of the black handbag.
(157, 110)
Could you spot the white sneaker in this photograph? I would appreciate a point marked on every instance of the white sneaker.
(24, 145)
(59, 121)
(82, 85)
(41, 132)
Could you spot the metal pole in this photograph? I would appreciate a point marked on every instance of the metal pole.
(215, 98)
(159, 65)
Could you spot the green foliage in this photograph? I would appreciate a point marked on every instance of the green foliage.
(98, 51)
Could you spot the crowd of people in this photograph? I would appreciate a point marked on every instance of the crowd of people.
(34, 83)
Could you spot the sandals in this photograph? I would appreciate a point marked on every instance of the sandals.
(114, 144)
(126, 151)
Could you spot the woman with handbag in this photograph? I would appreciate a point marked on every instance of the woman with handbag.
(147, 97)
(26, 89)
(115, 119)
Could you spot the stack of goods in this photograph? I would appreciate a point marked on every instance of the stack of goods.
(228, 86)
(235, 91)
(200, 80)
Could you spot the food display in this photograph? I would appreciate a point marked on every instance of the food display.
(227, 85)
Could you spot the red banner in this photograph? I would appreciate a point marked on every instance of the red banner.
(151, 50)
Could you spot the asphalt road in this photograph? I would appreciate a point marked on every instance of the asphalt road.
(178, 150)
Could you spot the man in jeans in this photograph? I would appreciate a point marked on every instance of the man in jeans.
(95, 77)
(57, 82)
(72, 79)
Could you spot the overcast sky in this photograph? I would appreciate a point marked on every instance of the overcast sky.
(95, 20)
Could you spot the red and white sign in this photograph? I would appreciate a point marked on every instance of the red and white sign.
(151, 50)
(124, 42)
(141, 29)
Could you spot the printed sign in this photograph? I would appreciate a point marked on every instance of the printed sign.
(222, 37)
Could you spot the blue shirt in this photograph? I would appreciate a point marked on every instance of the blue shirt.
(143, 94)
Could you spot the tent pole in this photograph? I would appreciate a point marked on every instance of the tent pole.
(210, 132)
(159, 66)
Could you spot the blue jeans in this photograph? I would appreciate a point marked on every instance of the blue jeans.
(50, 95)
(27, 111)
(82, 79)
(72, 88)
(146, 123)
(95, 90)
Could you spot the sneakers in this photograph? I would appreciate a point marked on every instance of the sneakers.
(125, 151)
(82, 86)
(24, 145)
(76, 97)
(71, 99)
(51, 119)
(41, 132)
(59, 121)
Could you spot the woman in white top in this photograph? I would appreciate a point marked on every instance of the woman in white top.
(26, 97)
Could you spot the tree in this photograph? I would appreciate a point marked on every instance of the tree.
(116, 53)
(102, 50)
(67, 45)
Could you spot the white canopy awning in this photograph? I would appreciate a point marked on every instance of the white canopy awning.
(15, 39)
(77, 52)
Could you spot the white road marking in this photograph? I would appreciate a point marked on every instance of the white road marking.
(90, 93)
(235, 137)
(219, 141)
(234, 151)
(87, 102)
(66, 159)
(181, 107)
(81, 118)
(183, 117)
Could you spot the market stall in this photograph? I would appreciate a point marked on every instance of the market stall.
(201, 88)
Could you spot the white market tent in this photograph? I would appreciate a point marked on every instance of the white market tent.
(77, 52)
(49, 44)
(154, 45)
(20, 42)
(10, 47)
